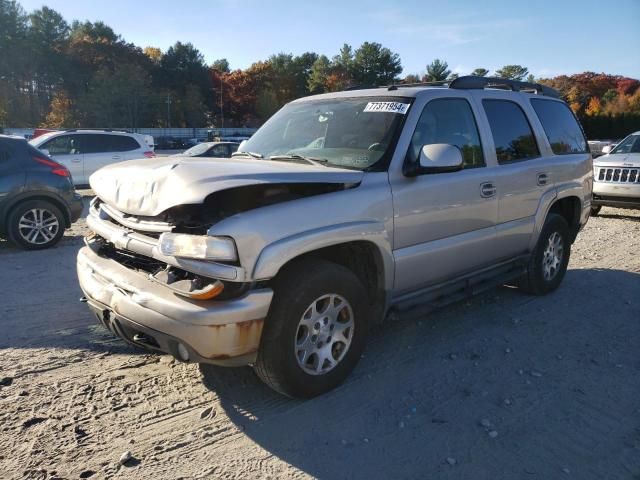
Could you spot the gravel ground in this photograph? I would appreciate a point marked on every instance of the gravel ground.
(502, 386)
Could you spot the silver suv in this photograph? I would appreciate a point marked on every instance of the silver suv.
(617, 176)
(342, 208)
(85, 151)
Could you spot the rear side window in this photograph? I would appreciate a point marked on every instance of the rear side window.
(563, 132)
(92, 143)
(451, 121)
(512, 134)
(120, 143)
(97, 143)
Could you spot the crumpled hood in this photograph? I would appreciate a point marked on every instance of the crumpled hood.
(618, 160)
(149, 187)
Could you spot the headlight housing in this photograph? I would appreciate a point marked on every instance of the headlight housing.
(202, 247)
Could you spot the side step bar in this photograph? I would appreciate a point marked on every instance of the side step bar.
(437, 296)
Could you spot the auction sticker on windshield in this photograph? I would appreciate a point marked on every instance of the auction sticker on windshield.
(390, 107)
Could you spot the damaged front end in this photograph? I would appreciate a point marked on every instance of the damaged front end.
(161, 282)
(196, 310)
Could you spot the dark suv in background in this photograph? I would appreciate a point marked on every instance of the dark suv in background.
(37, 198)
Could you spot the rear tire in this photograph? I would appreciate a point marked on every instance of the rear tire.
(35, 225)
(316, 329)
(550, 258)
(595, 211)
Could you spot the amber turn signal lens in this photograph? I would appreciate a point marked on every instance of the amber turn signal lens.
(211, 291)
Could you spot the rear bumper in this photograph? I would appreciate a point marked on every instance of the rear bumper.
(148, 314)
(75, 207)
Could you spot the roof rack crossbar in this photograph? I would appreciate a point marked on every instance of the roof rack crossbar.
(395, 86)
(471, 82)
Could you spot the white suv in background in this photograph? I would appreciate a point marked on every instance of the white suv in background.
(617, 176)
(85, 151)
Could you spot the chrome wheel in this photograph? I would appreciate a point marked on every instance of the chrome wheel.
(38, 226)
(552, 257)
(324, 334)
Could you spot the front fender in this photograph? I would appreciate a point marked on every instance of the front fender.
(278, 253)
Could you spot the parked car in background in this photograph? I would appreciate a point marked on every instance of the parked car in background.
(170, 143)
(211, 149)
(83, 152)
(37, 198)
(617, 176)
(601, 147)
(345, 206)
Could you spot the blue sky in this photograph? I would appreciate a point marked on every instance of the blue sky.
(548, 37)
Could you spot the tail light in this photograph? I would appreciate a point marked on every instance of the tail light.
(56, 168)
(149, 154)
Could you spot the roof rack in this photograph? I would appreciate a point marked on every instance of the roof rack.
(472, 82)
(94, 130)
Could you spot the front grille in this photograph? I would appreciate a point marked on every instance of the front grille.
(149, 226)
(618, 175)
(131, 260)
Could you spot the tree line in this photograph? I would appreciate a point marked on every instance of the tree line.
(82, 74)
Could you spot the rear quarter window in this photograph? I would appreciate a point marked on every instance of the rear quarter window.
(121, 143)
(560, 126)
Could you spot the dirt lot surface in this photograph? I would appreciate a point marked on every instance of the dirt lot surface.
(503, 386)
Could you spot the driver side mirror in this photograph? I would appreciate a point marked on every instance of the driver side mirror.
(438, 158)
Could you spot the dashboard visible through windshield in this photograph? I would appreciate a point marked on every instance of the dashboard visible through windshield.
(344, 132)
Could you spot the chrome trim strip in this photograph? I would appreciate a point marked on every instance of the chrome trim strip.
(134, 222)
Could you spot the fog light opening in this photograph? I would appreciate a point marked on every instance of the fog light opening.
(183, 353)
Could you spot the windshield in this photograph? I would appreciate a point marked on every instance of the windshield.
(631, 144)
(351, 133)
(197, 150)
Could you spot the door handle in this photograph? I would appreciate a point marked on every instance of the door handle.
(487, 190)
(76, 160)
(116, 157)
(543, 179)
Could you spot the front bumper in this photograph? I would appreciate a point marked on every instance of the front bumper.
(148, 314)
(616, 195)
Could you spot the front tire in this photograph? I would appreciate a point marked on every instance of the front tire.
(316, 329)
(35, 225)
(550, 258)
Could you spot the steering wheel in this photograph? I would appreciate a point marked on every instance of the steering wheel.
(375, 146)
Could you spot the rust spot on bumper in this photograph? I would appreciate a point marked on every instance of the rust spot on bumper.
(236, 339)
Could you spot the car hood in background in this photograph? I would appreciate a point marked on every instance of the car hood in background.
(149, 187)
(618, 160)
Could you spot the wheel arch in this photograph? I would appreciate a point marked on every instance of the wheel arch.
(566, 202)
(29, 196)
(368, 255)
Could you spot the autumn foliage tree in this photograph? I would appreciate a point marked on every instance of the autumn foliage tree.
(60, 73)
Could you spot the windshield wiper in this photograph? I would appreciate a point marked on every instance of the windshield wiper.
(247, 154)
(311, 160)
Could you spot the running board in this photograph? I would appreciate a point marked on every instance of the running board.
(432, 298)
